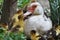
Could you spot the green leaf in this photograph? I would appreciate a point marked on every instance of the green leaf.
(55, 11)
(22, 3)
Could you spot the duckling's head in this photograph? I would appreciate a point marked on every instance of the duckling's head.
(19, 12)
(17, 19)
(34, 35)
(18, 15)
(4, 26)
(57, 30)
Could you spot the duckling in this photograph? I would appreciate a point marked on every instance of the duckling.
(17, 21)
(34, 35)
(57, 30)
(4, 27)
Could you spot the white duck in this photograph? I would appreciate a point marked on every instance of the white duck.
(38, 21)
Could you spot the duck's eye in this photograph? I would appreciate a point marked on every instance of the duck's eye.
(34, 6)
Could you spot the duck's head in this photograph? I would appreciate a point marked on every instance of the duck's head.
(32, 7)
(36, 8)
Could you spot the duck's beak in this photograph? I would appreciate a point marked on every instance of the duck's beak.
(30, 10)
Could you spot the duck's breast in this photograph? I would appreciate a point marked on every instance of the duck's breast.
(37, 23)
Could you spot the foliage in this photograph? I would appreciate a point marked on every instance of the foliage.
(11, 35)
(55, 11)
(1, 2)
(22, 3)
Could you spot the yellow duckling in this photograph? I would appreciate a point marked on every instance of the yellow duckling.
(34, 35)
(17, 20)
(4, 26)
(57, 30)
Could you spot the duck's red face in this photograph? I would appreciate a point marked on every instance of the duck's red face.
(32, 8)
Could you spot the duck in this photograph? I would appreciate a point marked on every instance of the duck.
(37, 21)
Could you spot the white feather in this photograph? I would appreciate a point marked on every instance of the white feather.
(37, 22)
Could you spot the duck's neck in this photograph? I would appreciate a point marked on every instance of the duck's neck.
(27, 13)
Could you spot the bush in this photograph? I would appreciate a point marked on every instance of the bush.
(11, 35)
(55, 11)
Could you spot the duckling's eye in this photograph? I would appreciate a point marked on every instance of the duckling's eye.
(19, 17)
(59, 29)
(33, 31)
